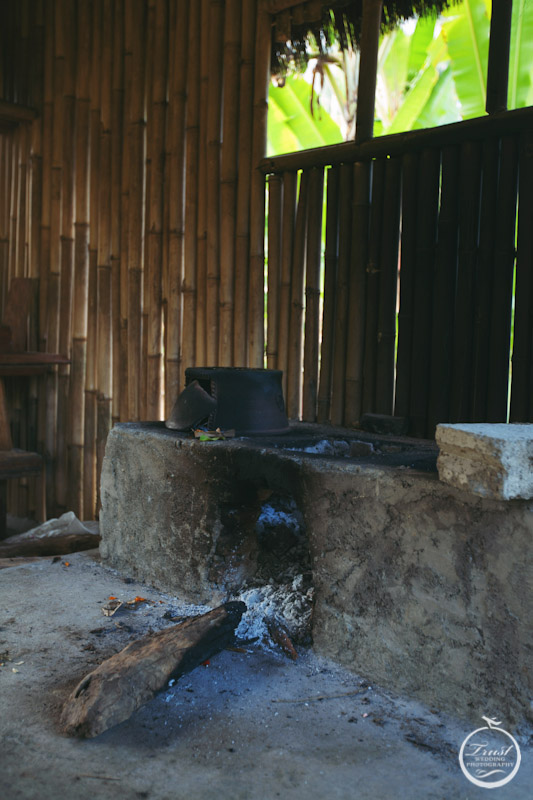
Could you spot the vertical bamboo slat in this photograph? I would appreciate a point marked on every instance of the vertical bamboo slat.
(461, 395)
(522, 360)
(256, 335)
(192, 157)
(242, 226)
(388, 290)
(175, 285)
(330, 282)
(312, 295)
(228, 178)
(290, 180)
(502, 283)
(355, 344)
(154, 265)
(117, 133)
(275, 204)
(373, 278)
(294, 367)
(343, 282)
(201, 247)
(213, 132)
(427, 211)
(444, 291)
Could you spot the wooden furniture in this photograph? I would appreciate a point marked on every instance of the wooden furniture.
(16, 362)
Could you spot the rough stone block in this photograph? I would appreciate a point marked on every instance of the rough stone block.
(490, 460)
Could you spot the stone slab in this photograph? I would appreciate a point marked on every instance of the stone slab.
(490, 460)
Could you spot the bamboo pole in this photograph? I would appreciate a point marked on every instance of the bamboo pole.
(192, 151)
(213, 217)
(355, 345)
(373, 269)
(290, 181)
(201, 251)
(470, 185)
(175, 181)
(484, 271)
(256, 312)
(146, 294)
(366, 90)
(522, 360)
(242, 226)
(275, 203)
(45, 231)
(154, 263)
(89, 451)
(388, 289)
(104, 334)
(502, 283)
(76, 420)
(136, 205)
(123, 369)
(312, 295)
(117, 256)
(410, 167)
(294, 366)
(341, 304)
(427, 215)
(444, 291)
(68, 21)
(228, 178)
(330, 281)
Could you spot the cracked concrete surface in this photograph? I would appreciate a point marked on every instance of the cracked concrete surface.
(249, 726)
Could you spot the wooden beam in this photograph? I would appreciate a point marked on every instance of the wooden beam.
(518, 120)
(366, 91)
(13, 114)
(499, 50)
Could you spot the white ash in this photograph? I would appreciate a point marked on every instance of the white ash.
(289, 604)
(271, 517)
(326, 447)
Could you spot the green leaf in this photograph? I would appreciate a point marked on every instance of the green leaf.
(441, 107)
(291, 126)
(467, 35)
(419, 45)
(521, 60)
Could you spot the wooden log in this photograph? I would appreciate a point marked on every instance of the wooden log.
(294, 367)
(242, 225)
(61, 544)
(275, 203)
(121, 684)
(341, 305)
(330, 282)
(444, 291)
(290, 181)
(373, 277)
(312, 295)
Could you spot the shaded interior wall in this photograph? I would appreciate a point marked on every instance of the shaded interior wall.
(131, 198)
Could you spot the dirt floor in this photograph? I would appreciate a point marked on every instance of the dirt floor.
(248, 726)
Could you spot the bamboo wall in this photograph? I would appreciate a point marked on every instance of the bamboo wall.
(134, 199)
(425, 236)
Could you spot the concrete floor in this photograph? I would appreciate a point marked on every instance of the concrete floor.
(248, 726)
